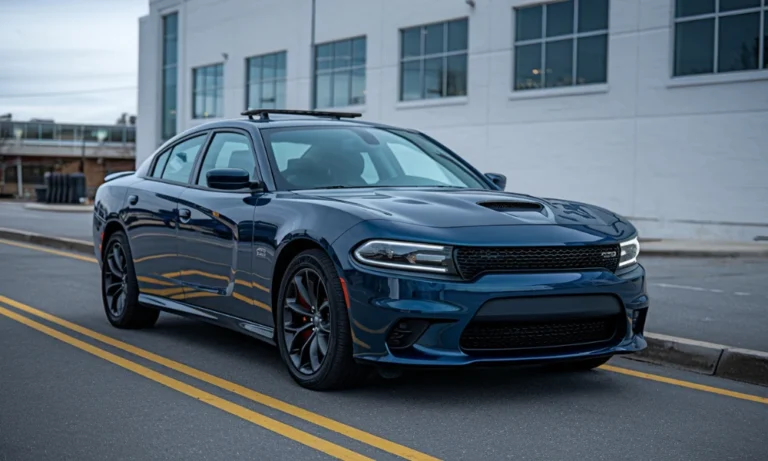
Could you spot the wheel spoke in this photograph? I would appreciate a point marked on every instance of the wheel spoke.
(116, 255)
(322, 344)
(297, 330)
(314, 357)
(305, 349)
(312, 287)
(114, 269)
(302, 288)
(294, 306)
(114, 289)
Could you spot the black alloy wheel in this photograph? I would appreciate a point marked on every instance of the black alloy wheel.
(116, 279)
(312, 325)
(307, 321)
(120, 289)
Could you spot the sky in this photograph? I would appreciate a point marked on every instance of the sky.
(69, 60)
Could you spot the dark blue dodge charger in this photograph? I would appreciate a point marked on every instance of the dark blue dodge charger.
(353, 245)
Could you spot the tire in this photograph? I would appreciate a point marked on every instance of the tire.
(582, 365)
(128, 313)
(337, 369)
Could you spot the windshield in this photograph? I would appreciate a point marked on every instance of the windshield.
(349, 157)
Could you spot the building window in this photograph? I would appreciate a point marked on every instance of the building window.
(340, 73)
(208, 91)
(561, 44)
(170, 54)
(265, 81)
(433, 60)
(716, 36)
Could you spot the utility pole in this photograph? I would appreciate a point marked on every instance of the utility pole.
(312, 60)
(82, 150)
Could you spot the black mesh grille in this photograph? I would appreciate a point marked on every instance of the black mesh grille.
(472, 261)
(479, 336)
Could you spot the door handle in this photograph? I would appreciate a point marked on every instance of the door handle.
(133, 199)
(184, 215)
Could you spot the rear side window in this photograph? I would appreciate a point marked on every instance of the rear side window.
(228, 150)
(182, 159)
(162, 159)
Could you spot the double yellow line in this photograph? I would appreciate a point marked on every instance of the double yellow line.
(254, 417)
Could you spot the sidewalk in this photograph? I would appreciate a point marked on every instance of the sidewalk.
(703, 248)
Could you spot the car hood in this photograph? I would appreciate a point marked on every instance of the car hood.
(463, 207)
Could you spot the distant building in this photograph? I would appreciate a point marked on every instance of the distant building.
(30, 149)
(657, 109)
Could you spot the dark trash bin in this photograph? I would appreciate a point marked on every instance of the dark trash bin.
(41, 193)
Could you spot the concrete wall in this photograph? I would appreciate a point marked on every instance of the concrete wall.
(684, 157)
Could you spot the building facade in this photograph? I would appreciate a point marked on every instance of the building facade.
(657, 109)
(29, 149)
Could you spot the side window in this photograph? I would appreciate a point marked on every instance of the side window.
(162, 159)
(418, 164)
(228, 150)
(182, 159)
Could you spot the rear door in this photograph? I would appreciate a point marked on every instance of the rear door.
(215, 234)
(152, 218)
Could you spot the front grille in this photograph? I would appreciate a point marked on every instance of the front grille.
(496, 336)
(472, 261)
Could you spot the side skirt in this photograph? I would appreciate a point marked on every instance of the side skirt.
(256, 330)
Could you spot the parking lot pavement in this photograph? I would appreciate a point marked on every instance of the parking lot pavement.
(61, 400)
(720, 300)
(74, 225)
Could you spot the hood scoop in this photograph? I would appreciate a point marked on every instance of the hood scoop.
(509, 206)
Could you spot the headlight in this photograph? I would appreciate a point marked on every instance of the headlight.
(406, 256)
(629, 252)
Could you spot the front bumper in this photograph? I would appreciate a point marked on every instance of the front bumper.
(380, 302)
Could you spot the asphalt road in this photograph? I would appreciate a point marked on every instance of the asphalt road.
(68, 393)
(74, 225)
(720, 300)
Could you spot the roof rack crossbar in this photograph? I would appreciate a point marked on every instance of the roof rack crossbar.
(264, 113)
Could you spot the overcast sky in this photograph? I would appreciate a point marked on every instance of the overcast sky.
(70, 60)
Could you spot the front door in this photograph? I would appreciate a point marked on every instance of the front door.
(152, 219)
(215, 235)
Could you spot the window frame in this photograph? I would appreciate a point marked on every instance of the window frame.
(762, 67)
(350, 69)
(261, 81)
(148, 175)
(422, 57)
(197, 168)
(574, 36)
(218, 92)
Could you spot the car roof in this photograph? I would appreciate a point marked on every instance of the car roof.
(286, 120)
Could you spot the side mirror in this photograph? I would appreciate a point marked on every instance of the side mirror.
(499, 179)
(228, 179)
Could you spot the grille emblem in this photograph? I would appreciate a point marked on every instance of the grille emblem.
(608, 254)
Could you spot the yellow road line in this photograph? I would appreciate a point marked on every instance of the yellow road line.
(319, 420)
(686, 384)
(266, 422)
(49, 250)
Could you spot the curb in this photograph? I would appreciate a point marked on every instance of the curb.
(59, 208)
(60, 243)
(707, 358)
(698, 356)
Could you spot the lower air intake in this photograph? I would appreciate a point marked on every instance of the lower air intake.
(516, 336)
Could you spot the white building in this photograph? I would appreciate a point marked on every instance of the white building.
(657, 109)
